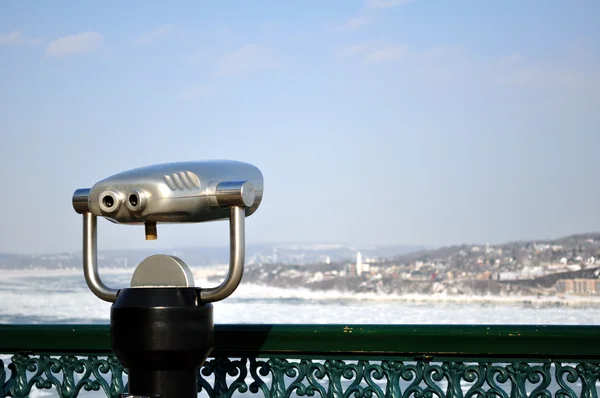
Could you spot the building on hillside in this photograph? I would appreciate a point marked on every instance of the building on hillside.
(578, 286)
(351, 269)
(362, 267)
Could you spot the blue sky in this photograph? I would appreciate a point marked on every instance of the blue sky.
(385, 121)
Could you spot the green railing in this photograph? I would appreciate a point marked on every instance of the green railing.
(420, 361)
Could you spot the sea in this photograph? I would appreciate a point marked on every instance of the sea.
(62, 297)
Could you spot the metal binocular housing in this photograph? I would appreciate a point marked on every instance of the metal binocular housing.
(186, 192)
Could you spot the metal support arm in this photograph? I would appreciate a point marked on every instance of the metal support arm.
(237, 245)
(90, 260)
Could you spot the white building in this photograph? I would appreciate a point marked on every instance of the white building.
(360, 265)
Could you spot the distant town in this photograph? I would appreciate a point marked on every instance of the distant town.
(566, 266)
(560, 267)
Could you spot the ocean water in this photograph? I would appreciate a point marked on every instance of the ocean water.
(35, 297)
(60, 297)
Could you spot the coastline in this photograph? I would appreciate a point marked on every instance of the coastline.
(197, 271)
(275, 292)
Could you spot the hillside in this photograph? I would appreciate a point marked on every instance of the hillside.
(513, 268)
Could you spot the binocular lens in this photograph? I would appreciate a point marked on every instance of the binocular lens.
(108, 201)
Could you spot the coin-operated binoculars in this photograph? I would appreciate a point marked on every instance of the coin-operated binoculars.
(162, 325)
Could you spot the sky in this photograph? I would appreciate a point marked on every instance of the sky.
(373, 122)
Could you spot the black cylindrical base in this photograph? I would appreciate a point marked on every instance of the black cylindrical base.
(162, 336)
(163, 383)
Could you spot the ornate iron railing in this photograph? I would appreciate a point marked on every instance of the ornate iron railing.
(326, 360)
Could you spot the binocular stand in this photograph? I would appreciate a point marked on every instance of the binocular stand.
(162, 325)
(161, 334)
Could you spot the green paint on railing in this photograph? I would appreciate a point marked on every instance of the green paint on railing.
(328, 341)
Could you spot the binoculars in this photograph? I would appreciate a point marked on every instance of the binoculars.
(162, 325)
(186, 192)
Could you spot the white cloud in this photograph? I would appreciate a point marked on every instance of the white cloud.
(355, 23)
(354, 49)
(195, 92)
(386, 3)
(515, 70)
(372, 53)
(81, 43)
(153, 36)
(16, 38)
(251, 56)
(570, 80)
(386, 53)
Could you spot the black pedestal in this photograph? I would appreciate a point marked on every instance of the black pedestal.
(161, 336)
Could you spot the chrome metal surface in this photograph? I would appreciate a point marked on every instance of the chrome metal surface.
(236, 193)
(80, 200)
(110, 201)
(161, 270)
(177, 192)
(90, 260)
(171, 193)
(237, 247)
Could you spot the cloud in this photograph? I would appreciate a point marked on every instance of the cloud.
(569, 81)
(82, 43)
(195, 92)
(516, 70)
(16, 38)
(375, 54)
(355, 23)
(251, 56)
(386, 3)
(386, 53)
(455, 68)
(354, 49)
(153, 36)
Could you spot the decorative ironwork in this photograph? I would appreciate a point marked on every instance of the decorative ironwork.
(68, 375)
(276, 377)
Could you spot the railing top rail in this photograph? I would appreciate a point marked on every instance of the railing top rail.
(546, 342)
